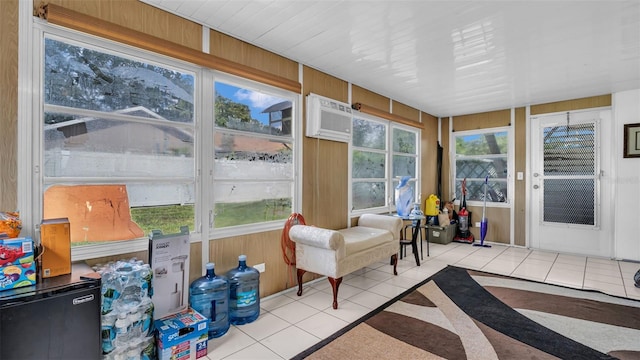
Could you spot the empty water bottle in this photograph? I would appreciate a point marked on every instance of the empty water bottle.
(209, 295)
(244, 304)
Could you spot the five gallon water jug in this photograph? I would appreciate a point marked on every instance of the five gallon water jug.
(244, 303)
(209, 295)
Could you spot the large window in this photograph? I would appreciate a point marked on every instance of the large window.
(382, 152)
(128, 142)
(253, 155)
(481, 155)
(369, 164)
(118, 142)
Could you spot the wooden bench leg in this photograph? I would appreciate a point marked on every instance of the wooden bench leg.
(300, 272)
(335, 283)
(394, 262)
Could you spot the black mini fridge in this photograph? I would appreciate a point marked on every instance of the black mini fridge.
(58, 318)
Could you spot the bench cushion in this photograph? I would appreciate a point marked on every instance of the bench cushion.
(361, 238)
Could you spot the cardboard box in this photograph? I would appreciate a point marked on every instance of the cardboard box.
(55, 238)
(442, 234)
(182, 336)
(17, 266)
(169, 260)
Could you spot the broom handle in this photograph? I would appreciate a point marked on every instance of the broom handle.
(484, 207)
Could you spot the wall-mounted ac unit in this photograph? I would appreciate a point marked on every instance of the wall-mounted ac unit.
(328, 119)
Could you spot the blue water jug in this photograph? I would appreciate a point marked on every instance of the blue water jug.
(244, 304)
(209, 295)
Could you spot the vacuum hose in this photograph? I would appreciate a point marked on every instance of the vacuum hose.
(287, 245)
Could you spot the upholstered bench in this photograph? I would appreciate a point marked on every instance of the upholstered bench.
(335, 253)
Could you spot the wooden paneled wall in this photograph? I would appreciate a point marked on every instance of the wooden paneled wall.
(364, 96)
(574, 104)
(325, 163)
(405, 111)
(259, 248)
(482, 120)
(240, 52)
(520, 203)
(9, 105)
(139, 16)
(498, 221)
(429, 156)
(448, 193)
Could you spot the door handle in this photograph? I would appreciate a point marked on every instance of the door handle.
(536, 174)
(535, 186)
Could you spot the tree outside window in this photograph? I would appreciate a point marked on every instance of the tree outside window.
(479, 155)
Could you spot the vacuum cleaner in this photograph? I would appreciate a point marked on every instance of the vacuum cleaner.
(484, 223)
(463, 234)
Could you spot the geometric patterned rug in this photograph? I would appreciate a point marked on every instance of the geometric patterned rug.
(466, 314)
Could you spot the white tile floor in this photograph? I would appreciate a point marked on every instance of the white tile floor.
(289, 324)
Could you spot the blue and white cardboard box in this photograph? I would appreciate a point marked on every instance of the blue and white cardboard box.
(182, 336)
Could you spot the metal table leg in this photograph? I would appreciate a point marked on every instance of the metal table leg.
(414, 241)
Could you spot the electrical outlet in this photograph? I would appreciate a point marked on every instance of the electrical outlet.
(477, 224)
(259, 267)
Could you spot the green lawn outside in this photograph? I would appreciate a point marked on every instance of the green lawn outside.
(170, 218)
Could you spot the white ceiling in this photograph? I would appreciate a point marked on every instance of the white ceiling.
(445, 57)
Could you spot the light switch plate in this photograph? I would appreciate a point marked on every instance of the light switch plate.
(520, 175)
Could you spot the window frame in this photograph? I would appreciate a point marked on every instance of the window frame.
(37, 182)
(296, 133)
(30, 160)
(389, 153)
(509, 159)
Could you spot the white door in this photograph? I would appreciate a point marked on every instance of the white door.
(566, 198)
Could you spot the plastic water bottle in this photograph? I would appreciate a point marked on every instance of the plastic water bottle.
(244, 304)
(131, 293)
(148, 345)
(209, 295)
(135, 324)
(122, 329)
(110, 292)
(108, 333)
(146, 307)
